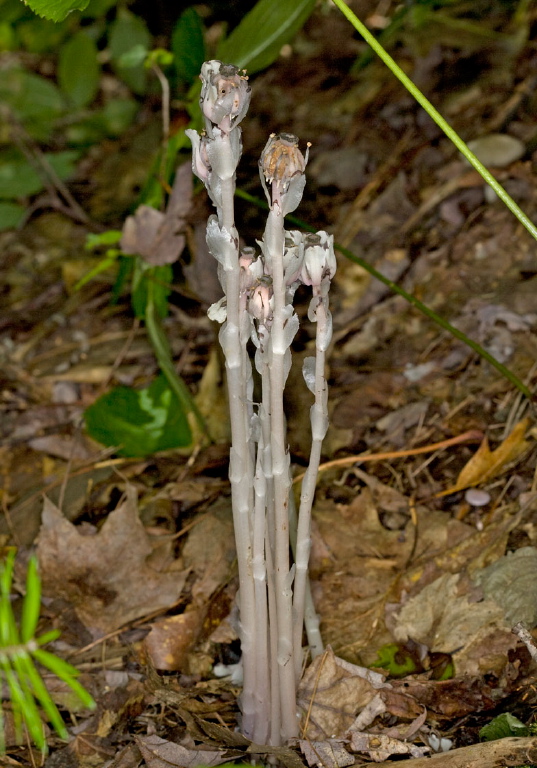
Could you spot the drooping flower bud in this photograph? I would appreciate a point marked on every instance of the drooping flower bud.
(260, 304)
(225, 95)
(282, 165)
(319, 259)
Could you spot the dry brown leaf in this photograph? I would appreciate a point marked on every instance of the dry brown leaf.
(171, 639)
(486, 464)
(159, 753)
(105, 576)
(379, 747)
(327, 754)
(332, 692)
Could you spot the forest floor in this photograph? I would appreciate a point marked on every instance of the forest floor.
(425, 546)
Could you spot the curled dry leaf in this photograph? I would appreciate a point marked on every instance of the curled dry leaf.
(105, 576)
(158, 237)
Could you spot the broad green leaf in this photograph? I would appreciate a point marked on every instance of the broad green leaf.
(31, 605)
(19, 179)
(258, 39)
(188, 45)
(11, 215)
(78, 69)
(141, 421)
(503, 726)
(56, 10)
(35, 101)
(128, 32)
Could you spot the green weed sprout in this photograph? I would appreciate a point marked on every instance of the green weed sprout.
(19, 651)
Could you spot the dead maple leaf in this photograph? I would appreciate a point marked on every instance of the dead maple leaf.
(105, 576)
(486, 464)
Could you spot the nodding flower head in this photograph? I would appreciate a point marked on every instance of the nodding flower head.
(282, 165)
(319, 259)
(260, 304)
(225, 95)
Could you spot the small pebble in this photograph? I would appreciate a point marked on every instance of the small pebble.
(497, 150)
(476, 498)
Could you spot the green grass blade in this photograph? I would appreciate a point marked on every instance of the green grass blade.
(24, 707)
(436, 116)
(65, 672)
(25, 669)
(31, 606)
(9, 634)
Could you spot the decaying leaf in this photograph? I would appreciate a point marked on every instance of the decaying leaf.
(160, 753)
(379, 747)
(512, 583)
(332, 692)
(159, 237)
(486, 464)
(327, 754)
(105, 576)
(171, 638)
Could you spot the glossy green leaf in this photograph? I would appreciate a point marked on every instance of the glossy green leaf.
(503, 726)
(19, 179)
(128, 32)
(78, 69)
(188, 45)
(141, 421)
(31, 605)
(11, 215)
(258, 39)
(56, 10)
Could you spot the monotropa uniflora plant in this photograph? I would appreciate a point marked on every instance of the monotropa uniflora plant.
(257, 313)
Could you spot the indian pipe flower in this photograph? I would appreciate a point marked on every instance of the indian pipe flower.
(225, 95)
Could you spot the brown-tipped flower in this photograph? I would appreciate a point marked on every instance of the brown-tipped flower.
(282, 166)
(281, 160)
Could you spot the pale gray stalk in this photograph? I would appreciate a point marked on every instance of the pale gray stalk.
(258, 304)
(224, 100)
(318, 269)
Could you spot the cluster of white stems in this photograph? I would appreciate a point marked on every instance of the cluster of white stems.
(274, 595)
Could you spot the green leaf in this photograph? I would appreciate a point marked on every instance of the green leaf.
(31, 606)
(11, 215)
(258, 39)
(141, 421)
(19, 179)
(397, 660)
(503, 726)
(110, 237)
(151, 280)
(128, 32)
(35, 101)
(78, 69)
(56, 10)
(188, 45)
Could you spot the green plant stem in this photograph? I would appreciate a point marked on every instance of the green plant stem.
(423, 308)
(437, 117)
